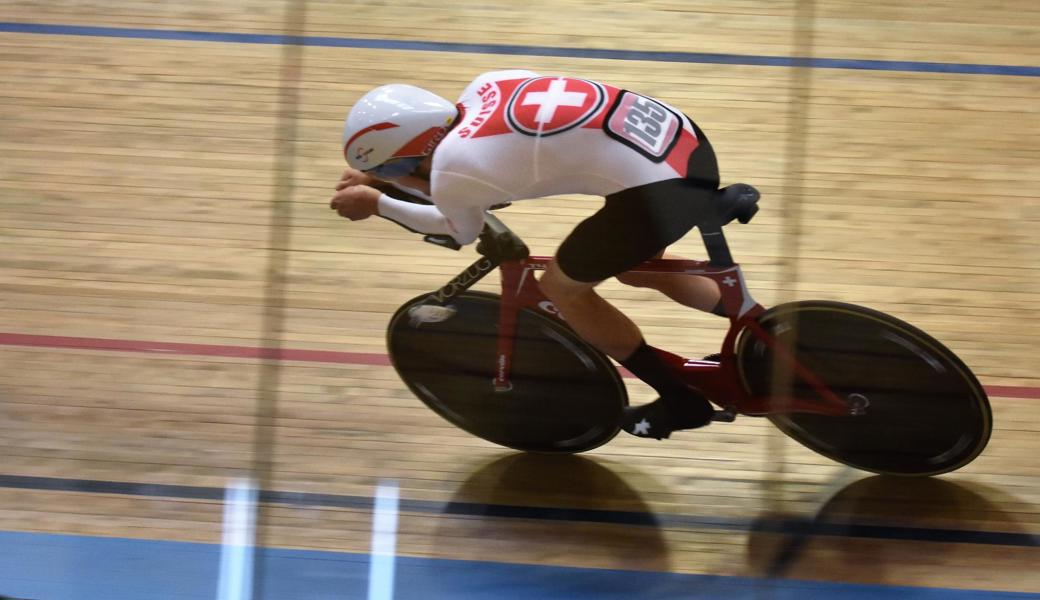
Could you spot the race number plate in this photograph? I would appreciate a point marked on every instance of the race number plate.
(645, 125)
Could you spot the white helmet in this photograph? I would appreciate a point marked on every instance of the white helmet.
(395, 121)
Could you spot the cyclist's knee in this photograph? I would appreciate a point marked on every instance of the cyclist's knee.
(636, 279)
(558, 286)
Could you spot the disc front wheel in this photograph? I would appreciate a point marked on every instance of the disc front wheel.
(565, 397)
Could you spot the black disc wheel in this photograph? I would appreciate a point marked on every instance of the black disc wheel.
(565, 396)
(922, 410)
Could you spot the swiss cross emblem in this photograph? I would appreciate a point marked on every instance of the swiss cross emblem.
(550, 105)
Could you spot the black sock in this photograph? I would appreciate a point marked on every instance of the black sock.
(690, 405)
(645, 364)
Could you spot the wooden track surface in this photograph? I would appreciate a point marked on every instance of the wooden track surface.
(139, 185)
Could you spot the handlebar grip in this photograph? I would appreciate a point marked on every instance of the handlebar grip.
(444, 241)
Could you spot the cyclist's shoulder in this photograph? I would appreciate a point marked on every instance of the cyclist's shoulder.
(458, 179)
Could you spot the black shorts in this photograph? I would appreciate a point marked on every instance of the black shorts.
(636, 224)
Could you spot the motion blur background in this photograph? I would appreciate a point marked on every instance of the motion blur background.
(165, 170)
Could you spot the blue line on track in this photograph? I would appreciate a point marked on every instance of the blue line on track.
(787, 526)
(521, 50)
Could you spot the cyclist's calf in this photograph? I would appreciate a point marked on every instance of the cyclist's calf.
(589, 315)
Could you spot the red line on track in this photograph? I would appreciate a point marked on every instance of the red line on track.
(82, 343)
(321, 356)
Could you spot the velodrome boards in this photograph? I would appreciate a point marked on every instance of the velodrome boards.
(165, 170)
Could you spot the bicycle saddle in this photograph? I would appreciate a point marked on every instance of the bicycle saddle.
(738, 201)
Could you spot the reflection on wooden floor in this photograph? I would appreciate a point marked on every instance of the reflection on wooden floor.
(141, 180)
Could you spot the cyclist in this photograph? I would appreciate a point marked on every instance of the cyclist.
(516, 135)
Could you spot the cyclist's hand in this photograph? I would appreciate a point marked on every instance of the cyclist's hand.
(354, 177)
(356, 202)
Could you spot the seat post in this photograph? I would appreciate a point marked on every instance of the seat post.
(736, 202)
(715, 243)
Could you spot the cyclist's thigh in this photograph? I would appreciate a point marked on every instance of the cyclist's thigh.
(633, 225)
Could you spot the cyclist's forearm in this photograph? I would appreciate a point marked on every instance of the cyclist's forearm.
(417, 217)
(400, 192)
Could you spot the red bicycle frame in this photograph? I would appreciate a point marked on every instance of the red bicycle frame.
(719, 381)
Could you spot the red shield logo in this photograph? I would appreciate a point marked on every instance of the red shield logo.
(551, 105)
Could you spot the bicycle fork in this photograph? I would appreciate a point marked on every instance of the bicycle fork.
(518, 284)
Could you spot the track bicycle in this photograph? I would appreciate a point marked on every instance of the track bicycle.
(851, 383)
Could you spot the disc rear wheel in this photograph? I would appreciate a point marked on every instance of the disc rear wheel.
(922, 410)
